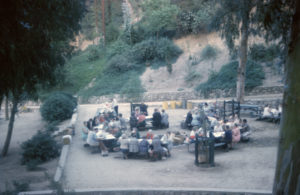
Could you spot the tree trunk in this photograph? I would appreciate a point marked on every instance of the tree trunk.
(103, 20)
(240, 84)
(287, 176)
(10, 126)
(6, 109)
(96, 18)
(1, 100)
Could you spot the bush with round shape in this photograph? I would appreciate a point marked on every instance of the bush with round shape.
(40, 148)
(58, 107)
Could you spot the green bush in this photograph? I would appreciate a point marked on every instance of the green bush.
(260, 53)
(52, 126)
(226, 78)
(58, 106)
(121, 64)
(152, 49)
(192, 76)
(118, 47)
(40, 148)
(209, 52)
(93, 54)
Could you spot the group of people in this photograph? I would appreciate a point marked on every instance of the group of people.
(229, 131)
(108, 121)
(271, 113)
(138, 119)
(149, 146)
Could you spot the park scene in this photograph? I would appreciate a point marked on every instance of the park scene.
(150, 97)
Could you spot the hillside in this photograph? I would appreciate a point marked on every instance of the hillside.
(136, 58)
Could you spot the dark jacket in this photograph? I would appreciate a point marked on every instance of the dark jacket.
(156, 143)
(143, 147)
(189, 118)
(133, 121)
(156, 119)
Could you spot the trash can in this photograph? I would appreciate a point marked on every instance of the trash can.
(178, 104)
(165, 105)
(173, 104)
(189, 105)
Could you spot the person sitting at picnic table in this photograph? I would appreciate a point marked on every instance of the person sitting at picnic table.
(156, 151)
(141, 120)
(267, 112)
(206, 108)
(188, 120)
(218, 127)
(133, 121)
(113, 126)
(166, 142)
(96, 143)
(124, 145)
(143, 147)
(228, 137)
(149, 134)
(101, 119)
(137, 112)
(156, 119)
(133, 145)
(245, 130)
(196, 120)
(144, 108)
(236, 119)
(90, 124)
(164, 119)
(236, 134)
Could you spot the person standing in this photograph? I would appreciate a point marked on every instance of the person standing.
(164, 119)
(115, 106)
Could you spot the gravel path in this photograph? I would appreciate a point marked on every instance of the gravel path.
(247, 166)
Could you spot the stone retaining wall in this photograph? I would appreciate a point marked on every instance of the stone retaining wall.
(183, 95)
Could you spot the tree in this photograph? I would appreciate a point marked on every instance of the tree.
(160, 15)
(34, 43)
(282, 20)
(234, 21)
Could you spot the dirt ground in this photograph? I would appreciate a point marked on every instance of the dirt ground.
(248, 166)
(26, 125)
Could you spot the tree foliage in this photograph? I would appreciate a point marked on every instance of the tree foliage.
(160, 15)
(35, 40)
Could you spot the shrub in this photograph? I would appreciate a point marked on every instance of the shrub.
(155, 50)
(52, 126)
(93, 54)
(209, 52)
(227, 76)
(40, 148)
(121, 64)
(166, 49)
(117, 48)
(58, 107)
(259, 52)
(192, 76)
